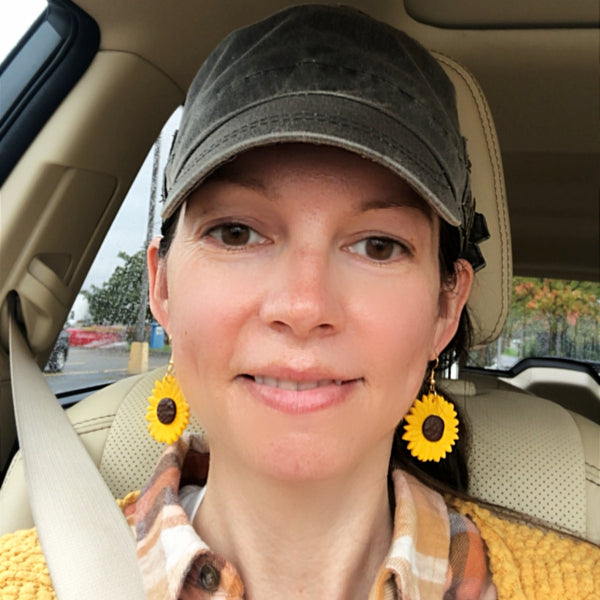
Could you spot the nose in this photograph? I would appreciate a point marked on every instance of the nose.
(303, 295)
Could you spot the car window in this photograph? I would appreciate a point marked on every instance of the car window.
(549, 318)
(97, 345)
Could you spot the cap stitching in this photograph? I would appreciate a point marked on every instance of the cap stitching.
(304, 116)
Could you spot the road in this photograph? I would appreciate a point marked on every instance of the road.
(87, 367)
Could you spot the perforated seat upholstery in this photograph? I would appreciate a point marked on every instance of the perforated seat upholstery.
(527, 453)
(532, 455)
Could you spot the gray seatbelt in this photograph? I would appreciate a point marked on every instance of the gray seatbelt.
(87, 543)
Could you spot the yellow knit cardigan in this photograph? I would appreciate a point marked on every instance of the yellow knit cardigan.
(527, 563)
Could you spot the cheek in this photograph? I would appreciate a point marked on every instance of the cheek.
(204, 298)
(399, 335)
(208, 312)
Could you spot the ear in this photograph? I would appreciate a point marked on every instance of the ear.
(452, 301)
(158, 289)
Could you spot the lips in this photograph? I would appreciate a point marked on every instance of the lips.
(300, 394)
(295, 386)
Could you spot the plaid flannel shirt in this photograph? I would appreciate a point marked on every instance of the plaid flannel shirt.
(436, 553)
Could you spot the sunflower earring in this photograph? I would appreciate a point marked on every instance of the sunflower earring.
(168, 413)
(431, 425)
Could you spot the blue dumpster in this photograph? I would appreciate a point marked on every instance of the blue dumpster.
(157, 336)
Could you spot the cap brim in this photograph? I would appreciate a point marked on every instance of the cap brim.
(320, 118)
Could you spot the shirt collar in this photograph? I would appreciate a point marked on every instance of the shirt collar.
(173, 557)
(418, 556)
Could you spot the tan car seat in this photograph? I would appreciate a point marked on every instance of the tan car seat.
(527, 453)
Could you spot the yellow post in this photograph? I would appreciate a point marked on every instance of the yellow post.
(138, 358)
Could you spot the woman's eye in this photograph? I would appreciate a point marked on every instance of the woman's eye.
(235, 234)
(378, 248)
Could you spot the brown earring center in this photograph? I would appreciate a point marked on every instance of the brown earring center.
(166, 411)
(433, 428)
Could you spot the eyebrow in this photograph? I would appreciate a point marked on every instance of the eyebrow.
(220, 176)
(228, 176)
(399, 201)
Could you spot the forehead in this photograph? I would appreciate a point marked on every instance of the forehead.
(268, 168)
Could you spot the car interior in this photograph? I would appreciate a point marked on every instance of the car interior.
(526, 75)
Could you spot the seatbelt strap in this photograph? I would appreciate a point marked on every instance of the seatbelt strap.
(88, 546)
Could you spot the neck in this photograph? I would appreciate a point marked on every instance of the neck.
(323, 539)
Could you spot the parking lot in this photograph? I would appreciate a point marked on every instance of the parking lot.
(88, 367)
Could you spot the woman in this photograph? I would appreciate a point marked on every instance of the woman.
(301, 284)
(317, 254)
(303, 298)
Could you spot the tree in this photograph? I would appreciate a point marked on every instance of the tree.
(117, 300)
(565, 314)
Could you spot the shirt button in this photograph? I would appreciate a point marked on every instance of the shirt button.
(209, 577)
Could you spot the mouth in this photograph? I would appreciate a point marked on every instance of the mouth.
(299, 396)
(292, 385)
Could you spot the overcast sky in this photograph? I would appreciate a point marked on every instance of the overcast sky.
(15, 18)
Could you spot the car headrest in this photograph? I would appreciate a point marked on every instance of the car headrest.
(490, 297)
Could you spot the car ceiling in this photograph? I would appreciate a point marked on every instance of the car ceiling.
(541, 83)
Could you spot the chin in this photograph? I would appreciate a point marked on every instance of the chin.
(303, 459)
(306, 457)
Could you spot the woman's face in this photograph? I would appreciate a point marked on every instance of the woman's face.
(302, 295)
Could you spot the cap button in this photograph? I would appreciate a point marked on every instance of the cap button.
(209, 577)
